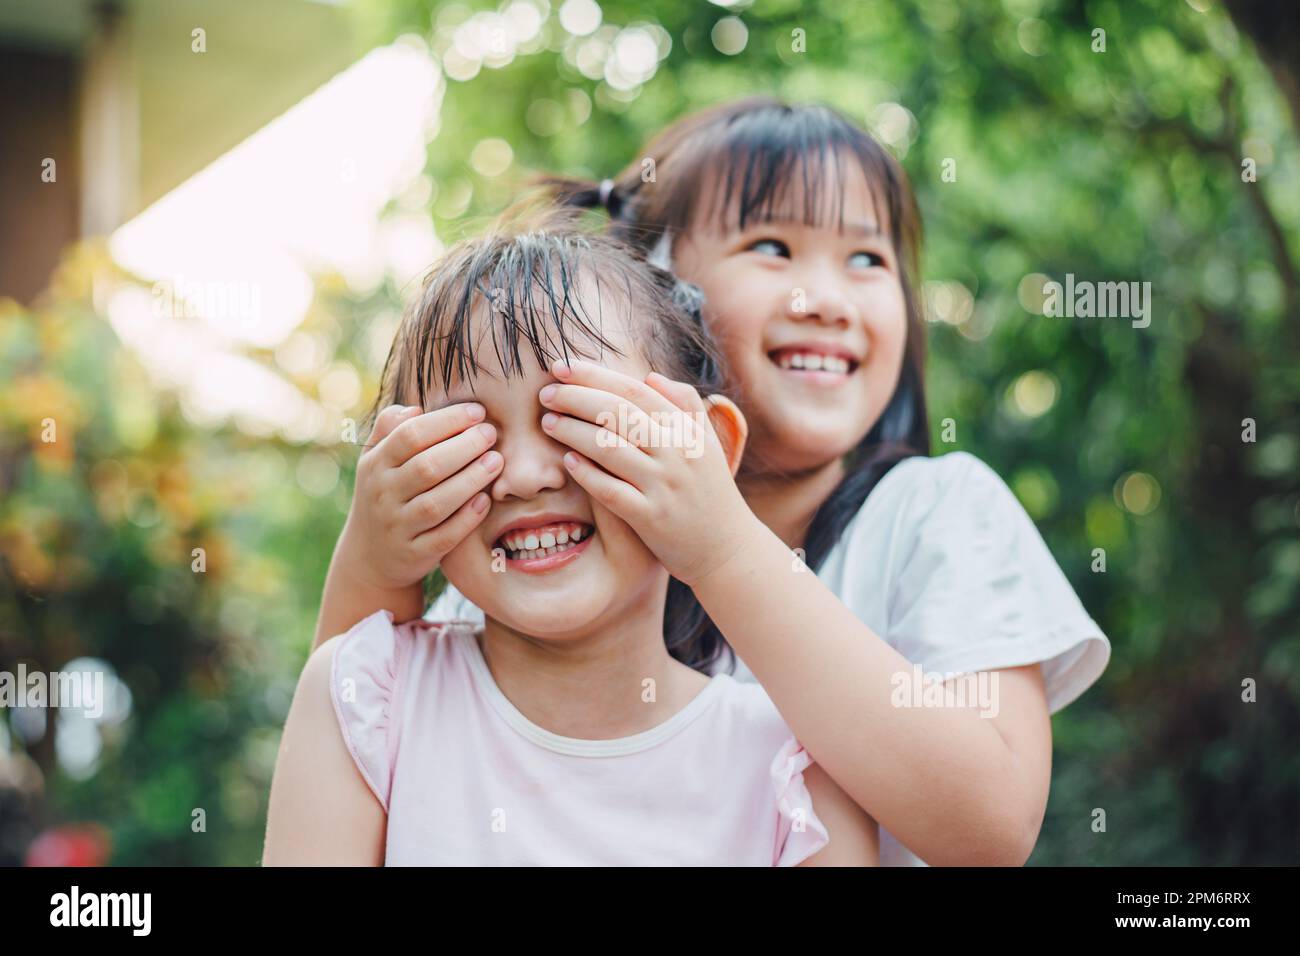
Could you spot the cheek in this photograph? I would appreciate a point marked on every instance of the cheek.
(737, 312)
(621, 544)
(462, 562)
(887, 324)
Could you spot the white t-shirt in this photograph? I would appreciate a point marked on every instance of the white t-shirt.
(944, 564)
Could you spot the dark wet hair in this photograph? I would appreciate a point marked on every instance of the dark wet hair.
(747, 158)
(545, 280)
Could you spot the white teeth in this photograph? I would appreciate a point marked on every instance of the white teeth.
(814, 362)
(523, 545)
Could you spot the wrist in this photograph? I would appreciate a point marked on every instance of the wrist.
(361, 590)
(760, 561)
(747, 533)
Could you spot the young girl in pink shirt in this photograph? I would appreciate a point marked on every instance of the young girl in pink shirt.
(565, 729)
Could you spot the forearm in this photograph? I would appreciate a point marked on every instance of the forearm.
(940, 779)
(346, 601)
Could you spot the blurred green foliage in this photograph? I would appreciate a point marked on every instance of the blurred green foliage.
(1122, 165)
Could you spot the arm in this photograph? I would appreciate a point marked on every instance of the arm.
(855, 837)
(348, 600)
(953, 786)
(310, 823)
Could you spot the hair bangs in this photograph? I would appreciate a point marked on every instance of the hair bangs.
(782, 165)
(516, 296)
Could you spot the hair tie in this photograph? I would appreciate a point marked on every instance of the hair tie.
(610, 199)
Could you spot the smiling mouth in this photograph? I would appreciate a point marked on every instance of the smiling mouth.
(533, 544)
(807, 361)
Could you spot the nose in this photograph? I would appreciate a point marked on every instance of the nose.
(825, 299)
(534, 462)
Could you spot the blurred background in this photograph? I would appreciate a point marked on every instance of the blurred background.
(210, 215)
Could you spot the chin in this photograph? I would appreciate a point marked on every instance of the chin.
(556, 628)
(803, 444)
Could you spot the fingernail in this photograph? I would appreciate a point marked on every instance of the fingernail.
(487, 431)
(549, 420)
(571, 459)
(560, 368)
(546, 393)
(475, 411)
(491, 460)
(480, 502)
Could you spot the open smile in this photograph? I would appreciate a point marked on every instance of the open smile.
(817, 366)
(545, 547)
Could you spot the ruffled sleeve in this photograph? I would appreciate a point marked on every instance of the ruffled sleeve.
(800, 833)
(365, 686)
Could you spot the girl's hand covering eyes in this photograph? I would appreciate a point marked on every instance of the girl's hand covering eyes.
(648, 452)
(419, 492)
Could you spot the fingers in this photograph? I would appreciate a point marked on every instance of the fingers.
(618, 496)
(413, 435)
(431, 508)
(602, 446)
(603, 409)
(446, 535)
(680, 394)
(428, 469)
(578, 372)
(389, 419)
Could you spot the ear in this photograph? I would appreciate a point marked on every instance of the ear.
(730, 426)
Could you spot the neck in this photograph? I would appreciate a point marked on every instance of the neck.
(787, 503)
(593, 686)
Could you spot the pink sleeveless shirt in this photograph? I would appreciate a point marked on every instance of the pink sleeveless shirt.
(466, 779)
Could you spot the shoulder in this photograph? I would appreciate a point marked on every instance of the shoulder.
(924, 483)
(377, 642)
(377, 648)
(369, 674)
(923, 495)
